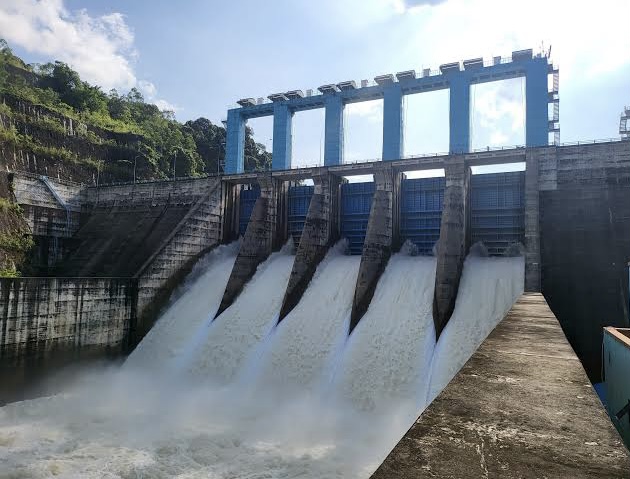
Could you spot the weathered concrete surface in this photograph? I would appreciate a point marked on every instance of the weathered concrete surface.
(57, 321)
(127, 226)
(521, 407)
(379, 238)
(320, 231)
(264, 232)
(452, 245)
(51, 224)
(532, 225)
(195, 234)
(585, 241)
(44, 214)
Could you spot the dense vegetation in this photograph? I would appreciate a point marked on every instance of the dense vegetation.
(56, 124)
(111, 131)
(15, 241)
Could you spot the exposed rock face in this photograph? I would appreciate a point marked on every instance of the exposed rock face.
(15, 241)
(39, 140)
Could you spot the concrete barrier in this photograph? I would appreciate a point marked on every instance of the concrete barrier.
(320, 231)
(47, 324)
(452, 245)
(264, 233)
(532, 225)
(379, 239)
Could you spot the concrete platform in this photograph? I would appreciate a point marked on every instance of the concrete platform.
(521, 407)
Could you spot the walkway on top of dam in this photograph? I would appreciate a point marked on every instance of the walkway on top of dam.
(521, 407)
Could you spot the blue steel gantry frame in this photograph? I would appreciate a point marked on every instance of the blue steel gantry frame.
(333, 98)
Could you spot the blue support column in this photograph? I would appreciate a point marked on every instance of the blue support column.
(392, 122)
(333, 131)
(235, 142)
(459, 113)
(537, 103)
(282, 141)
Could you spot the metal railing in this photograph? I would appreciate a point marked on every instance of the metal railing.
(422, 73)
(373, 160)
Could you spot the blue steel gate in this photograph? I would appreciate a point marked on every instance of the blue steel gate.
(247, 199)
(356, 202)
(498, 210)
(421, 211)
(299, 201)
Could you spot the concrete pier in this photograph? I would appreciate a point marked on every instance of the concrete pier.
(379, 239)
(320, 231)
(521, 407)
(532, 225)
(452, 245)
(263, 234)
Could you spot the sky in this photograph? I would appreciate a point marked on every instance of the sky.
(198, 57)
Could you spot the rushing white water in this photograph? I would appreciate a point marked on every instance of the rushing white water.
(144, 421)
(232, 337)
(196, 302)
(488, 289)
(388, 356)
(305, 343)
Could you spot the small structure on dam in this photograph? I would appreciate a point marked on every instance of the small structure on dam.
(455, 77)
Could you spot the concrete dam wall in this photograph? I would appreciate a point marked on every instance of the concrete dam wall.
(569, 201)
(51, 323)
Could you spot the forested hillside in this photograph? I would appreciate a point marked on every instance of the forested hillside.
(54, 123)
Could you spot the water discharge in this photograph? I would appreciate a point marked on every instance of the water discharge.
(388, 356)
(232, 337)
(196, 302)
(342, 406)
(303, 346)
(488, 289)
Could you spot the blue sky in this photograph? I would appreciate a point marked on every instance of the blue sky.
(198, 57)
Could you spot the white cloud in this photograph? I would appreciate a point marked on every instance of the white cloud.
(149, 91)
(404, 6)
(100, 48)
(147, 88)
(165, 105)
(370, 110)
(498, 138)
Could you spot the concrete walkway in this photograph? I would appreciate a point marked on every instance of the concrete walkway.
(521, 407)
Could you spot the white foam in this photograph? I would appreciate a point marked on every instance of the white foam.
(235, 334)
(304, 344)
(194, 303)
(488, 289)
(389, 353)
(131, 423)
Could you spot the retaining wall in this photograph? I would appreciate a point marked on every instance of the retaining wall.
(46, 322)
(585, 241)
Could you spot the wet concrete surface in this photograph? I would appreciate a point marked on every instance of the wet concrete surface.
(521, 407)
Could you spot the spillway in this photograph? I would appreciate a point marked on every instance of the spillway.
(388, 356)
(196, 302)
(488, 288)
(232, 337)
(254, 400)
(305, 343)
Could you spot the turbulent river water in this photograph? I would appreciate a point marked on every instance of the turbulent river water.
(245, 397)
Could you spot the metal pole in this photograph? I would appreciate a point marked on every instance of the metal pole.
(135, 160)
(174, 164)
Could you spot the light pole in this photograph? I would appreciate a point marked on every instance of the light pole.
(135, 161)
(222, 144)
(174, 163)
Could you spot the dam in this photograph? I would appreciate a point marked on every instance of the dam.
(272, 328)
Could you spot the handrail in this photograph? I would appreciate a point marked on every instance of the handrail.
(375, 160)
(59, 200)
